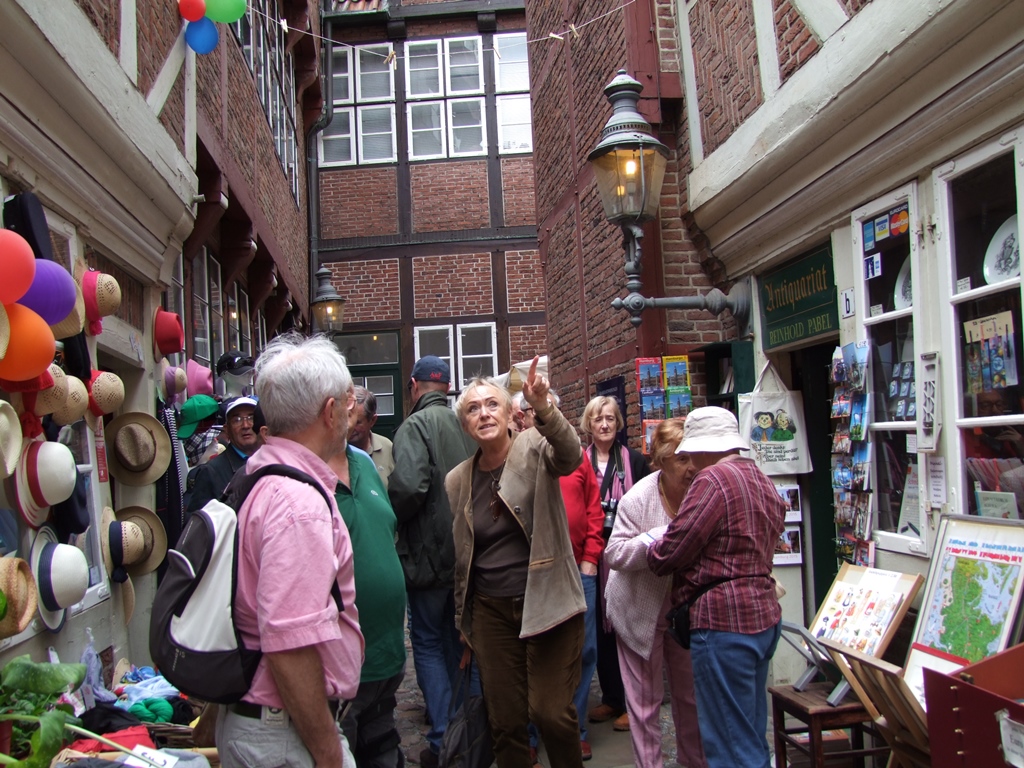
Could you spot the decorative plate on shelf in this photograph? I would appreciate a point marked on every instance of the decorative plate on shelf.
(1002, 258)
(903, 295)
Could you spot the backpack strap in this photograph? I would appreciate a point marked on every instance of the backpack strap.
(242, 484)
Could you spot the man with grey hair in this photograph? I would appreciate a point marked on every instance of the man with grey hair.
(295, 593)
(361, 419)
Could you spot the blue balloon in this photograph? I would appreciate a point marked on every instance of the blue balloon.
(202, 35)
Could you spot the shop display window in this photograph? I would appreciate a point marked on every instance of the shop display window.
(986, 310)
(886, 253)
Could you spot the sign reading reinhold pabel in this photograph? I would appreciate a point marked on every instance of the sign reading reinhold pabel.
(798, 299)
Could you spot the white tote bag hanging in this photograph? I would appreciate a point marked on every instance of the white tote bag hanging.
(772, 421)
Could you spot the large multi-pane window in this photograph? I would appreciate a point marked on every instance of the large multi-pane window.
(444, 101)
(470, 349)
(263, 47)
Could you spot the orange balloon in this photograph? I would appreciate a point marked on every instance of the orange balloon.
(17, 265)
(31, 348)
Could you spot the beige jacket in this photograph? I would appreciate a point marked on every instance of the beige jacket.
(530, 489)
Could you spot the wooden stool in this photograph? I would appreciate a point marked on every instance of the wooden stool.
(817, 715)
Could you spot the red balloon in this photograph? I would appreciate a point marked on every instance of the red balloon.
(31, 348)
(192, 10)
(17, 265)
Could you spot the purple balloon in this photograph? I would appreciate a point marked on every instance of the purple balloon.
(52, 293)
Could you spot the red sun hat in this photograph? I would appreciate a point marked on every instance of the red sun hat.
(168, 333)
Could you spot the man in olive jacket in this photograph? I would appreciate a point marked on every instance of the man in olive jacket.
(428, 444)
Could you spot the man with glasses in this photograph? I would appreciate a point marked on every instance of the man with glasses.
(243, 440)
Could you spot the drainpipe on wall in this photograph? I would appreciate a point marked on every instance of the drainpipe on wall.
(312, 165)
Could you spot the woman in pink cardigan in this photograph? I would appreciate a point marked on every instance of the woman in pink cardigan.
(638, 601)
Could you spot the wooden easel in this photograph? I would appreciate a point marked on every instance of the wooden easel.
(894, 709)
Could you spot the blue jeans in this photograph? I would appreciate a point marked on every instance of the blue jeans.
(588, 658)
(730, 673)
(436, 652)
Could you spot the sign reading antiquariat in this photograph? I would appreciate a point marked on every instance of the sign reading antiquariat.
(798, 299)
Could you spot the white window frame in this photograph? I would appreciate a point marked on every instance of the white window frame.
(452, 152)
(888, 540)
(944, 175)
(345, 52)
(464, 357)
(350, 136)
(442, 129)
(451, 343)
(440, 63)
(360, 96)
(449, 89)
(359, 134)
(500, 103)
(502, 61)
(201, 293)
(215, 278)
(244, 328)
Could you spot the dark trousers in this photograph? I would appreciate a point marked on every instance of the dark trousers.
(613, 693)
(370, 726)
(529, 679)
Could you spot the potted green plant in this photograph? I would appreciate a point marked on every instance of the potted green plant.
(29, 694)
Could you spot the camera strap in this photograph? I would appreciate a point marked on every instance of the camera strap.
(615, 455)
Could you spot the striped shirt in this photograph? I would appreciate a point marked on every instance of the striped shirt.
(726, 527)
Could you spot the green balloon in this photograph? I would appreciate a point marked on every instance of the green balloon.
(225, 11)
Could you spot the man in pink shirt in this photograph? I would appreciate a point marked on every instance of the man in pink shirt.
(293, 549)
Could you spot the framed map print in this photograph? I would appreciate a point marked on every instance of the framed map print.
(972, 600)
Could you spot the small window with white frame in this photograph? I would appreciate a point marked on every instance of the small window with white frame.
(515, 124)
(478, 351)
(426, 121)
(341, 74)
(337, 140)
(200, 309)
(375, 79)
(467, 131)
(423, 69)
(376, 133)
(886, 256)
(216, 310)
(244, 328)
(511, 63)
(434, 340)
(464, 71)
(979, 195)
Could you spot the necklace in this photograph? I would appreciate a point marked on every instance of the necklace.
(495, 505)
(669, 508)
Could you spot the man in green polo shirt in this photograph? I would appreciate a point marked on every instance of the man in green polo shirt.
(380, 601)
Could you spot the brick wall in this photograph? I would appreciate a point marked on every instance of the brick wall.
(525, 281)
(725, 57)
(667, 35)
(517, 189)
(525, 341)
(793, 37)
(452, 285)
(158, 26)
(371, 289)
(358, 202)
(449, 196)
(106, 18)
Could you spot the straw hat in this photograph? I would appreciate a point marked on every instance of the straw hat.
(102, 296)
(75, 404)
(52, 397)
(171, 381)
(5, 331)
(133, 540)
(106, 394)
(128, 600)
(62, 576)
(45, 476)
(138, 448)
(10, 438)
(19, 588)
(168, 333)
(73, 324)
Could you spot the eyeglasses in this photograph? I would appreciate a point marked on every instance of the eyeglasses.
(239, 419)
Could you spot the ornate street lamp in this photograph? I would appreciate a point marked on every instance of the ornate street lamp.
(327, 305)
(629, 167)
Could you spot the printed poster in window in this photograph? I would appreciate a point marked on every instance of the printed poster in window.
(649, 374)
(989, 357)
(677, 371)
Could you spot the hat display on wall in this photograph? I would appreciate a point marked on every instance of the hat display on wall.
(46, 475)
(170, 381)
(200, 379)
(71, 516)
(106, 394)
(168, 333)
(74, 322)
(138, 448)
(10, 439)
(62, 576)
(19, 588)
(75, 404)
(102, 296)
(235, 363)
(196, 409)
(133, 541)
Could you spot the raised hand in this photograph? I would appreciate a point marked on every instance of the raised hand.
(535, 388)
